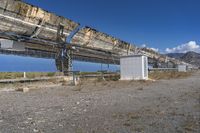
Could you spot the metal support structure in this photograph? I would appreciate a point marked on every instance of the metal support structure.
(63, 60)
(38, 29)
(46, 35)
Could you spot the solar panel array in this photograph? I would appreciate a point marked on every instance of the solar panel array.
(92, 38)
(25, 19)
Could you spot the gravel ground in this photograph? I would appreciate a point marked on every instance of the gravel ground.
(104, 107)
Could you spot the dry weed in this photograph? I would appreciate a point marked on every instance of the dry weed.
(168, 75)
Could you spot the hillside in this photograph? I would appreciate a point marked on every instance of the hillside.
(189, 57)
(175, 55)
(192, 58)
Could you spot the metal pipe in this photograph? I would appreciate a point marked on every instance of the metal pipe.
(31, 24)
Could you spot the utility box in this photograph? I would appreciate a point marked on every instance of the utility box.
(11, 45)
(182, 68)
(134, 67)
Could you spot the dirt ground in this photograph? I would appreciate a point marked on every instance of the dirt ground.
(164, 106)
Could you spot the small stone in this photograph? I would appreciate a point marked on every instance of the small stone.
(73, 125)
(35, 130)
(162, 112)
(77, 103)
(33, 123)
(41, 121)
(1, 121)
(26, 89)
(21, 128)
(62, 109)
(74, 107)
(23, 89)
(25, 122)
(82, 99)
(60, 125)
(30, 118)
(176, 102)
(127, 124)
(87, 101)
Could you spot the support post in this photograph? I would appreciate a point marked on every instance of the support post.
(24, 74)
(64, 62)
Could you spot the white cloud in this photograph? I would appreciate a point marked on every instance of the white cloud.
(145, 46)
(184, 48)
(155, 49)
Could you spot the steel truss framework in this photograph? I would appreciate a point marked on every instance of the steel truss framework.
(45, 35)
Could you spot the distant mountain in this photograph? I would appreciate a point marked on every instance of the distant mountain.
(192, 58)
(189, 57)
(175, 55)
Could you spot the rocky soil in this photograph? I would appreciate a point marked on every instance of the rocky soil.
(103, 107)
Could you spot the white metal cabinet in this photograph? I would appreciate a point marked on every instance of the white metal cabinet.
(134, 67)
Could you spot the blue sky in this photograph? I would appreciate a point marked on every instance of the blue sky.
(10, 63)
(158, 24)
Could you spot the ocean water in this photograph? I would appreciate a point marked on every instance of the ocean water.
(10, 63)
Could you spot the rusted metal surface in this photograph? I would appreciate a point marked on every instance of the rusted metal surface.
(24, 19)
(44, 35)
(92, 38)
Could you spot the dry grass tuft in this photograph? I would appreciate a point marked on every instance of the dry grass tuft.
(169, 75)
(15, 75)
(10, 75)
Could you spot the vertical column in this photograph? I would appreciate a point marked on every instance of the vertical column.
(63, 59)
